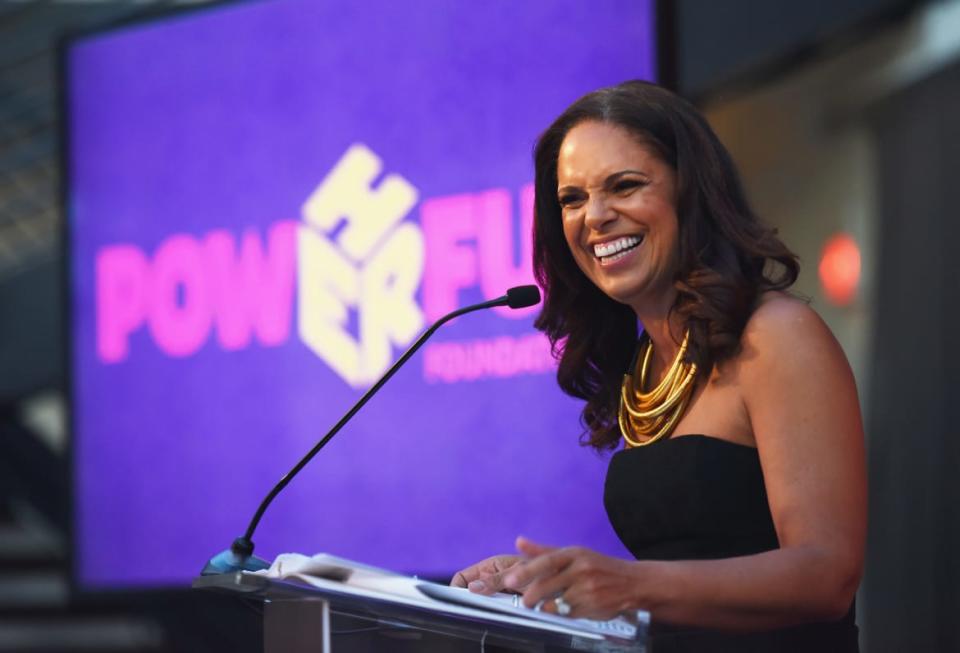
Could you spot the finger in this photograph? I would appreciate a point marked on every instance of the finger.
(487, 584)
(547, 588)
(530, 548)
(489, 579)
(460, 579)
(548, 564)
(466, 576)
(550, 605)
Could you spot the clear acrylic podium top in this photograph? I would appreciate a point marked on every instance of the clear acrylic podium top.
(336, 617)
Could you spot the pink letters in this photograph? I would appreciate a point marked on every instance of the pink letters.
(193, 284)
(121, 305)
(178, 299)
(252, 292)
(471, 238)
(500, 265)
(243, 288)
(451, 263)
(471, 360)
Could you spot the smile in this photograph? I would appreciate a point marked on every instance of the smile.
(615, 249)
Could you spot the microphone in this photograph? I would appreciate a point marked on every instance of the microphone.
(521, 297)
(239, 557)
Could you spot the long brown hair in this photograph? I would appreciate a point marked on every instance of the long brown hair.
(727, 257)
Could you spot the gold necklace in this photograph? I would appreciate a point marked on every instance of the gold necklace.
(646, 417)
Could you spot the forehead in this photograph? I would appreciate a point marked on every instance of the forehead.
(593, 150)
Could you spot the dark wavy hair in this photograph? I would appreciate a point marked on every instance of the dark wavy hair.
(727, 257)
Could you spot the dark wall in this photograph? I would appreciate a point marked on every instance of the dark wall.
(31, 310)
(743, 42)
(31, 322)
(913, 565)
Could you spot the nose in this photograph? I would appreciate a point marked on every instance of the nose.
(597, 212)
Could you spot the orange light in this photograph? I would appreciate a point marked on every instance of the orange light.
(840, 269)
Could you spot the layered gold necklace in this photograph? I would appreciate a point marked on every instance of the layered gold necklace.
(646, 417)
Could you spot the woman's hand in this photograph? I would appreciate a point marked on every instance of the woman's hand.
(486, 577)
(595, 586)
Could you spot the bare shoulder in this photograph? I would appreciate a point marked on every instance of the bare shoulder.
(784, 327)
(789, 353)
(780, 314)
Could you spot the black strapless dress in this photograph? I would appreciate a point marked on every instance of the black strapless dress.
(700, 498)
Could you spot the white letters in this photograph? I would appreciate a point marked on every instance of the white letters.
(372, 265)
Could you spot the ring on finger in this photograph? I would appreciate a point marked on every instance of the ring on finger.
(563, 608)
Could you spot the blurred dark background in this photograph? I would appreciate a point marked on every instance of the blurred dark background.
(844, 117)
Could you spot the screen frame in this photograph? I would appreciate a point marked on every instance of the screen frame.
(665, 53)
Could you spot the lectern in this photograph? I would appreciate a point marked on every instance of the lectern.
(328, 616)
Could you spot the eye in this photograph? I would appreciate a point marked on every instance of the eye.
(627, 186)
(570, 199)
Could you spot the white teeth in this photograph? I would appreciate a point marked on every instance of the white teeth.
(609, 249)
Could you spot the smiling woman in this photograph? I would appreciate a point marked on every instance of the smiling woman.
(740, 489)
(618, 202)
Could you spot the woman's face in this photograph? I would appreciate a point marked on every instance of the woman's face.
(618, 200)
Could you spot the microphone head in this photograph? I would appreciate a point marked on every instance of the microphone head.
(523, 296)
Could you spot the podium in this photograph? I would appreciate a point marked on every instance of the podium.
(332, 618)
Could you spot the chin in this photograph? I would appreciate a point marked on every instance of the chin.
(620, 296)
(634, 295)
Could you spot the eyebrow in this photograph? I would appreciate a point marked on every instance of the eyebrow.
(609, 180)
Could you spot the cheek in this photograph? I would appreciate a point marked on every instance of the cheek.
(572, 235)
(670, 248)
(571, 229)
(571, 232)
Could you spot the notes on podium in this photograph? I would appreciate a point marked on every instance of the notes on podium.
(325, 571)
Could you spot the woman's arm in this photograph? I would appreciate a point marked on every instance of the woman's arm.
(800, 395)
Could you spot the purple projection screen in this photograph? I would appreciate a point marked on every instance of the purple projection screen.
(267, 202)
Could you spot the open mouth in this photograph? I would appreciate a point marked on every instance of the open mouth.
(616, 249)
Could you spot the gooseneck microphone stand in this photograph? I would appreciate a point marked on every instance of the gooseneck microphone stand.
(239, 557)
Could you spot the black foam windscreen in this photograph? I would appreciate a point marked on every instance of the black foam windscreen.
(523, 296)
